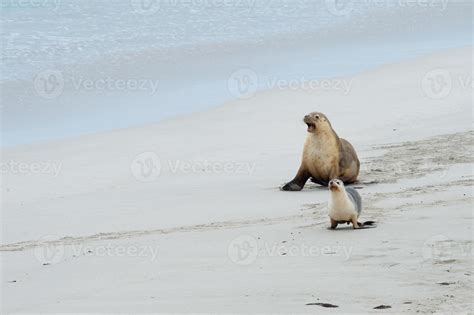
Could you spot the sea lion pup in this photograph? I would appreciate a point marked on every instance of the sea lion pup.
(345, 205)
(325, 156)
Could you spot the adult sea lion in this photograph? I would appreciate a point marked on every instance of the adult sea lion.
(325, 156)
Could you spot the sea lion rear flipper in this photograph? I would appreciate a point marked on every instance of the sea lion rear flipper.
(368, 225)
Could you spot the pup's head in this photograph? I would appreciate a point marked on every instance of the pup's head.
(316, 121)
(336, 185)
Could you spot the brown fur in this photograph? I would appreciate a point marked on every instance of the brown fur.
(325, 156)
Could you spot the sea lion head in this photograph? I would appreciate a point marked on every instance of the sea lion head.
(336, 185)
(316, 121)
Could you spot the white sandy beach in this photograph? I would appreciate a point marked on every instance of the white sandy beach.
(203, 227)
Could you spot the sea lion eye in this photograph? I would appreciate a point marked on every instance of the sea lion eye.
(317, 116)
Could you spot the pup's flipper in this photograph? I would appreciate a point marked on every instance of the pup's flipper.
(367, 225)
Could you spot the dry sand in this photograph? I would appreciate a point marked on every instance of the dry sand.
(202, 227)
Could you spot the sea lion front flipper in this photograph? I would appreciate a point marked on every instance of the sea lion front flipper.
(291, 186)
(297, 183)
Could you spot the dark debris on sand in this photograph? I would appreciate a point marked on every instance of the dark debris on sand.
(323, 304)
(382, 307)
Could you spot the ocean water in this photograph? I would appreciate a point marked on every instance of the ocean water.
(73, 67)
(70, 32)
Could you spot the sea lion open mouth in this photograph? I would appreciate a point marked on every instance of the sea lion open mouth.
(311, 127)
(310, 123)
